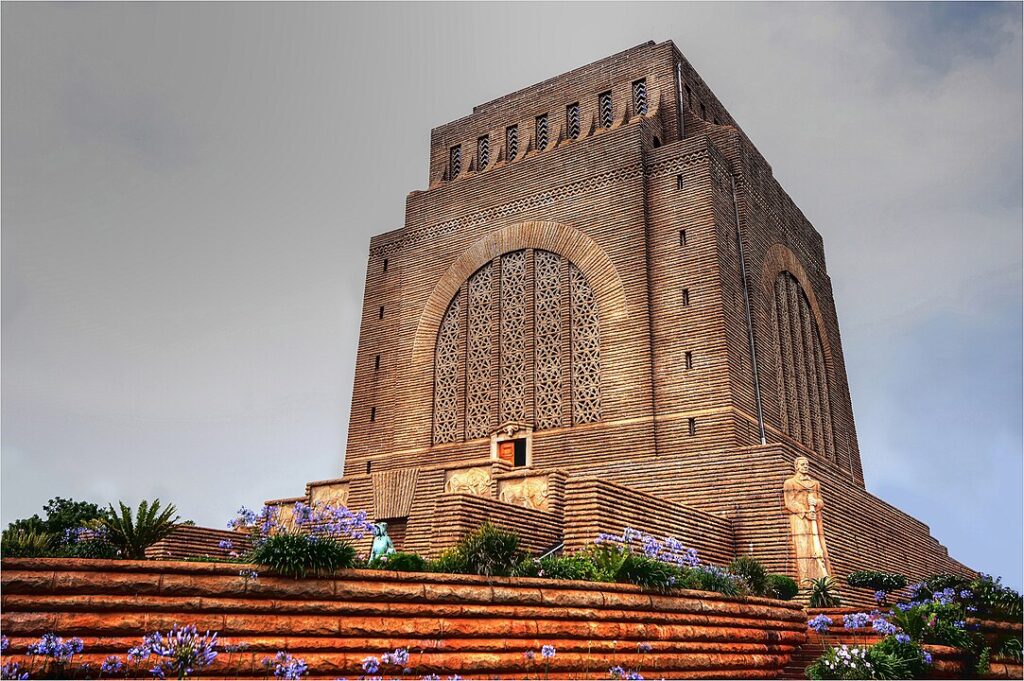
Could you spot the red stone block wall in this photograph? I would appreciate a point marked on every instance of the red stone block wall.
(464, 625)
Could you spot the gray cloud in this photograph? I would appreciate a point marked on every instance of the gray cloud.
(189, 190)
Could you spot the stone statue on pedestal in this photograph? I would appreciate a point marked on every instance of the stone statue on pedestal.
(803, 501)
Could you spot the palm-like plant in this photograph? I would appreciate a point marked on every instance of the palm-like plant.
(133, 536)
(822, 593)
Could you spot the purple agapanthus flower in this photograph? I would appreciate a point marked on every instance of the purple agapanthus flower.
(5, 643)
(884, 626)
(400, 657)
(820, 623)
(13, 670)
(181, 652)
(902, 638)
(856, 620)
(371, 665)
(547, 652)
(288, 667)
(112, 665)
(644, 647)
(53, 646)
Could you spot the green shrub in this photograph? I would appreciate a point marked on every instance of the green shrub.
(450, 561)
(1011, 648)
(607, 560)
(711, 578)
(296, 555)
(131, 536)
(822, 593)
(940, 622)
(569, 566)
(574, 566)
(750, 570)
(648, 573)
(992, 599)
(95, 547)
(490, 551)
(25, 544)
(889, 659)
(401, 561)
(62, 515)
(936, 583)
(877, 581)
(782, 587)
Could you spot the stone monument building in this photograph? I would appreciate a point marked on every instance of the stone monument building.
(606, 312)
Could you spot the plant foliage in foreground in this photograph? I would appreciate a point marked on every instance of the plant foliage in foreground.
(133, 535)
(822, 593)
(298, 555)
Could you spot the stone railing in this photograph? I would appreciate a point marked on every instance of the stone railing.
(451, 624)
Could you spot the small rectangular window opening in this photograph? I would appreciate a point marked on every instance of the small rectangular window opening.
(682, 237)
(385, 264)
(689, 360)
(689, 97)
(604, 107)
(572, 120)
(703, 112)
(483, 152)
(380, 313)
(512, 141)
(679, 182)
(693, 427)
(640, 97)
(686, 297)
(373, 413)
(369, 466)
(454, 162)
(376, 363)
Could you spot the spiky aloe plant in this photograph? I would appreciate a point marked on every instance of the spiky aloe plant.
(132, 536)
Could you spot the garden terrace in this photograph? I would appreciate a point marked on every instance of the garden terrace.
(451, 624)
(948, 661)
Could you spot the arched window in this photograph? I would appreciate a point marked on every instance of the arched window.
(805, 407)
(520, 342)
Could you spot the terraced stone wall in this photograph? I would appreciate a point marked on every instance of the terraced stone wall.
(451, 624)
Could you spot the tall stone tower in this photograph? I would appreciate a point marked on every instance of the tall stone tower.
(604, 312)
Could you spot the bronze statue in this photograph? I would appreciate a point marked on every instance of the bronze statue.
(382, 545)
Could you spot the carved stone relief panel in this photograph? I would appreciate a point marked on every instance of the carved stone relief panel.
(335, 494)
(527, 492)
(475, 481)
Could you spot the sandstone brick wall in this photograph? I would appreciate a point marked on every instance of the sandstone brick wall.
(187, 541)
(464, 625)
(594, 506)
(460, 514)
(862, 531)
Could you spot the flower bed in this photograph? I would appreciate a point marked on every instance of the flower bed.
(446, 624)
(837, 627)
